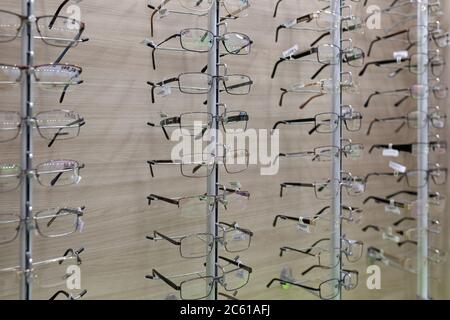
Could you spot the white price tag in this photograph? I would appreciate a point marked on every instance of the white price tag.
(239, 236)
(289, 52)
(397, 167)
(163, 91)
(399, 55)
(301, 226)
(80, 226)
(391, 208)
(391, 237)
(162, 13)
(290, 23)
(389, 152)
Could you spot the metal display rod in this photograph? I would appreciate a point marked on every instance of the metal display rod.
(213, 178)
(27, 152)
(422, 158)
(336, 140)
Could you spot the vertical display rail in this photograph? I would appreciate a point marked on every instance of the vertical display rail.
(26, 151)
(336, 140)
(422, 159)
(213, 178)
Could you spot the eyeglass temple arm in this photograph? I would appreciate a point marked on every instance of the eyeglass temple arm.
(378, 63)
(70, 252)
(155, 11)
(276, 8)
(283, 217)
(401, 243)
(314, 76)
(155, 47)
(66, 87)
(399, 222)
(366, 104)
(311, 99)
(60, 292)
(377, 39)
(294, 184)
(57, 12)
(71, 44)
(58, 133)
(285, 248)
(156, 275)
(284, 282)
(229, 297)
(293, 57)
(408, 192)
(316, 266)
(157, 234)
(376, 199)
(235, 13)
(234, 226)
(154, 197)
(316, 243)
(287, 122)
(371, 226)
(151, 163)
(237, 264)
(305, 18)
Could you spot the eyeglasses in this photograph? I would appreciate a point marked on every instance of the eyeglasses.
(413, 177)
(201, 83)
(325, 154)
(201, 41)
(349, 277)
(53, 173)
(435, 224)
(352, 249)
(194, 206)
(52, 125)
(51, 223)
(326, 54)
(409, 235)
(402, 262)
(414, 64)
(323, 190)
(201, 165)
(321, 88)
(195, 124)
(438, 35)
(46, 274)
(438, 147)
(48, 76)
(327, 122)
(233, 238)
(234, 8)
(434, 198)
(324, 20)
(435, 118)
(232, 276)
(416, 92)
(349, 214)
(57, 31)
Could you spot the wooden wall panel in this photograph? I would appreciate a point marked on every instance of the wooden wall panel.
(116, 143)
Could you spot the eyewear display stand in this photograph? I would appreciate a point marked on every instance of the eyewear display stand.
(213, 178)
(336, 161)
(422, 158)
(26, 202)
